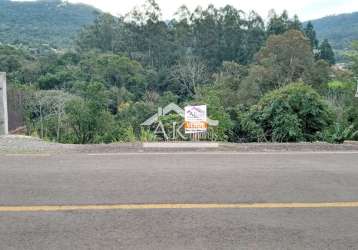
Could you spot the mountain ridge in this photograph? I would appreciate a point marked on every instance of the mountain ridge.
(52, 22)
(339, 29)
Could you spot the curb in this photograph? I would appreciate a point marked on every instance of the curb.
(179, 145)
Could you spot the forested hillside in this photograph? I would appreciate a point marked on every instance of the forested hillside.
(271, 81)
(56, 23)
(50, 22)
(340, 30)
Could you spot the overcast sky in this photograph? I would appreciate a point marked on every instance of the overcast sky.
(305, 9)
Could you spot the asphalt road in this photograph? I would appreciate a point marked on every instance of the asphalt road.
(171, 179)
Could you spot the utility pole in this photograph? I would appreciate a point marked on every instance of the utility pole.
(357, 88)
(4, 122)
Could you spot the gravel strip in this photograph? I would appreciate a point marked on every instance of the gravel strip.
(14, 144)
(26, 144)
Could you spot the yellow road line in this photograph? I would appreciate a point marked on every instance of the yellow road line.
(353, 204)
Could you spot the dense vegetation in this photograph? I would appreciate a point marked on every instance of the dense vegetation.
(47, 22)
(263, 81)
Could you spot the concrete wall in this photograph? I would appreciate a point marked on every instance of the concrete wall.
(15, 107)
(3, 105)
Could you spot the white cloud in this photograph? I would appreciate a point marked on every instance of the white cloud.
(305, 9)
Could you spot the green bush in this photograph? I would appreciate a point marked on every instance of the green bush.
(339, 133)
(121, 133)
(168, 125)
(88, 122)
(147, 135)
(246, 129)
(352, 113)
(292, 113)
(217, 110)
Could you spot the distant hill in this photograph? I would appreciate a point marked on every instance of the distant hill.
(52, 22)
(340, 30)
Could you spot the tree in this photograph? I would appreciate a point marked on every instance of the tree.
(217, 111)
(60, 100)
(326, 52)
(190, 72)
(232, 37)
(114, 71)
(285, 59)
(255, 84)
(46, 110)
(88, 122)
(225, 34)
(206, 35)
(352, 55)
(255, 38)
(277, 24)
(295, 23)
(311, 35)
(338, 93)
(213, 35)
(87, 114)
(182, 30)
(131, 115)
(57, 80)
(228, 83)
(104, 35)
(352, 108)
(292, 113)
(152, 41)
(15, 62)
(320, 74)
